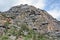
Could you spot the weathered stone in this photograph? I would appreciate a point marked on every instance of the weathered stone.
(12, 37)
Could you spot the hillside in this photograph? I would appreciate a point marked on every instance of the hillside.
(26, 22)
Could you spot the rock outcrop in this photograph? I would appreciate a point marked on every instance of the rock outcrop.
(35, 18)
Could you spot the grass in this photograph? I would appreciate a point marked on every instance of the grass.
(31, 33)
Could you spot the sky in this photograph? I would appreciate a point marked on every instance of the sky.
(51, 6)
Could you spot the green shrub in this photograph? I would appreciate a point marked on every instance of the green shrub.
(4, 37)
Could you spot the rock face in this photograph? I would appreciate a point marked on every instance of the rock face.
(36, 19)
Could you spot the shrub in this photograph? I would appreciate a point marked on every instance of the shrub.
(4, 37)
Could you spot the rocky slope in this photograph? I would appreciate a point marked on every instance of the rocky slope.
(30, 18)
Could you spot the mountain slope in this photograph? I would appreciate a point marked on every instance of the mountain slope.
(28, 17)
